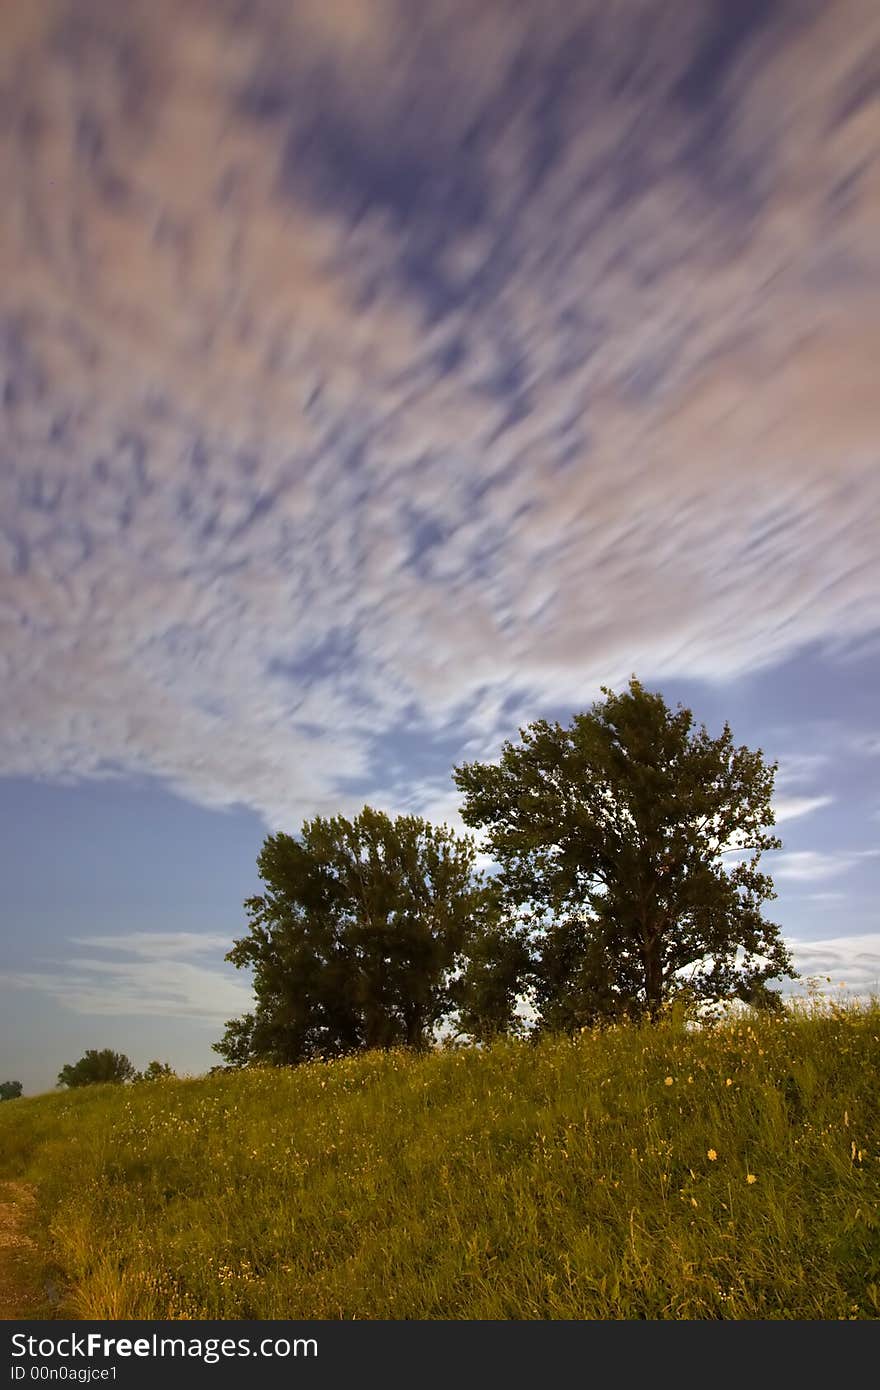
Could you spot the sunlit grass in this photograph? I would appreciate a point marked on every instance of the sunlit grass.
(655, 1172)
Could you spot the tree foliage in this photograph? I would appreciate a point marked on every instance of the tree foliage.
(357, 940)
(95, 1067)
(154, 1071)
(611, 836)
(497, 965)
(10, 1090)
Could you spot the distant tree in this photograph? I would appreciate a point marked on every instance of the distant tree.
(95, 1067)
(610, 837)
(357, 940)
(153, 1071)
(10, 1090)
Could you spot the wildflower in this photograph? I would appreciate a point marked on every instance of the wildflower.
(668, 1081)
(729, 1081)
(711, 1155)
(750, 1178)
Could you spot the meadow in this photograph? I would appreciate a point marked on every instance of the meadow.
(634, 1172)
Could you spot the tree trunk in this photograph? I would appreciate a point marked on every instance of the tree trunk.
(653, 975)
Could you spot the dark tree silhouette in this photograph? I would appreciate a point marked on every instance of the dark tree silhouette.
(96, 1067)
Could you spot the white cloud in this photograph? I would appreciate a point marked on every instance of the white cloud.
(809, 866)
(793, 807)
(852, 962)
(158, 979)
(159, 945)
(798, 769)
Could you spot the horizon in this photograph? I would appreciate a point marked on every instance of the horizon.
(380, 379)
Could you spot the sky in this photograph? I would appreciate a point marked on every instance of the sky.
(378, 377)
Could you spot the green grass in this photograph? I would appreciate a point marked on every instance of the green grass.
(568, 1179)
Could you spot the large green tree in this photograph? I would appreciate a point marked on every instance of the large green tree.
(614, 838)
(95, 1067)
(10, 1090)
(357, 940)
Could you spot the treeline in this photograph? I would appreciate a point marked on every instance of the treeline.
(611, 896)
(94, 1068)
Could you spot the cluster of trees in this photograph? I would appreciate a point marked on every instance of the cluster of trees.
(611, 896)
(97, 1068)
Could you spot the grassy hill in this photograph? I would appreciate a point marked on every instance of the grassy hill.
(632, 1173)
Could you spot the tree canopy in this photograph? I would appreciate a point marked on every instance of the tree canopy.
(154, 1071)
(96, 1067)
(629, 844)
(10, 1090)
(357, 940)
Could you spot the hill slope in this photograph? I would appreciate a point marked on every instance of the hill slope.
(635, 1173)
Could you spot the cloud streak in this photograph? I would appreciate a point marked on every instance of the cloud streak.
(372, 369)
(161, 977)
(852, 962)
(810, 866)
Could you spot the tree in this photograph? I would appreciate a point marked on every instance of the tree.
(154, 1071)
(95, 1067)
(10, 1090)
(357, 940)
(611, 836)
(498, 963)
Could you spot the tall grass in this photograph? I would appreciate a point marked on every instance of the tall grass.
(653, 1172)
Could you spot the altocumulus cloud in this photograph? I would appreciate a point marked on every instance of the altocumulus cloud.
(370, 366)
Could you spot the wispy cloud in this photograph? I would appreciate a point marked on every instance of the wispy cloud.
(800, 769)
(324, 406)
(793, 807)
(809, 866)
(851, 962)
(157, 977)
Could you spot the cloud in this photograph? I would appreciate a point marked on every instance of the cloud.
(362, 366)
(157, 978)
(852, 962)
(159, 945)
(797, 769)
(808, 865)
(793, 807)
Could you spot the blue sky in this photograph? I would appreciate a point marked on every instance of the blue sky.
(378, 377)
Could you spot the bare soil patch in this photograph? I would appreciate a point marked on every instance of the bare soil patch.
(22, 1294)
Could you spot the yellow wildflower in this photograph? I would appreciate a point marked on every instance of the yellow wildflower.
(711, 1155)
(668, 1081)
(750, 1178)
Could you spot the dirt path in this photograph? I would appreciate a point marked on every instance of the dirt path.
(21, 1291)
